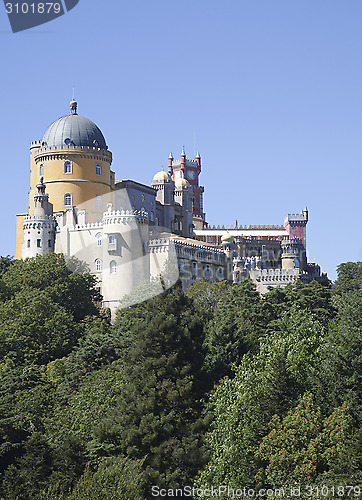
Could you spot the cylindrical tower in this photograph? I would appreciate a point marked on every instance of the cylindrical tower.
(292, 252)
(39, 228)
(75, 162)
(125, 254)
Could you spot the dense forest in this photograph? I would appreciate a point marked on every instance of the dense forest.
(215, 386)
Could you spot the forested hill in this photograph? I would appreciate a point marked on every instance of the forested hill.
(218, 386)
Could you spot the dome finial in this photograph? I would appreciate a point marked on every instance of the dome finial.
(73, 105)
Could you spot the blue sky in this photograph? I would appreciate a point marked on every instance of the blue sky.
(271, 90)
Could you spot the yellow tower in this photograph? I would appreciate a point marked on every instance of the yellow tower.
(74, 161)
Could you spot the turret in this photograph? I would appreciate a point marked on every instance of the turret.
(183, 196)
(165, 186)
(198, 160)
(170, 160)
(183, 158)
(293, 254)
(39, 228)
(296, 225)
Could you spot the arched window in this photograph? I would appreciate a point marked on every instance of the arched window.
(98, 265)
(68, 199)
(41, 170)
(113, 267)
(98, 201)
(98, 168)
(99, 239)
(68, 167)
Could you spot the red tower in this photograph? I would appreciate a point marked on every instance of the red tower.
(190, 170)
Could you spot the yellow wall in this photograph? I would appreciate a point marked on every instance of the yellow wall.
(82, 183)
(19, 235)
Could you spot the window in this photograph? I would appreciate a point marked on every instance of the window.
(152, 217)
(68, 200)
(49, 243)
(98, 265)
(98, 168)
(194, 269)
(113, 267)
(41, 170)
(98, 200)
(99, 219)
(38, 243)
(28, 244)
(112, 242)
(68, 167)
(99, 239)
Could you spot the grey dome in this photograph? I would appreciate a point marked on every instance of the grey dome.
(73, 130)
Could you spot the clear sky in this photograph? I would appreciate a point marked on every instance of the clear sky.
(270, 92)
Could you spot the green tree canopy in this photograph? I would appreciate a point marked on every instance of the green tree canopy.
(158, 415)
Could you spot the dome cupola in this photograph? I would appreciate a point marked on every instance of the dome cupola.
(73, 130)
(162, 176)
(181, 182)
(227, 238)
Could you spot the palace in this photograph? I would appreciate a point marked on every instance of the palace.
(130, 233)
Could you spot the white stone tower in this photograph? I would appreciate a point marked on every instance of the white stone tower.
(126, 262)
(39, 228)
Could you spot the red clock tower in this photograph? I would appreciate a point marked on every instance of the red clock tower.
(190, 170)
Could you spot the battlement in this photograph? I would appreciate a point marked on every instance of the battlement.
(124, 216)
(281, 275)
(38, 221)
(91, 225)
(187, 249)
(45, 151)
(302, 217)
(292, 242)
(39, 218)
(189, 163)
(280, 228)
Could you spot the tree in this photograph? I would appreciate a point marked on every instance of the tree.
(158, 415)
(264, 384)
(67, 282)
(208, 294)
(26, 400)
(341, 357)
(349, 277)
(304, 445)
(35, 329)
(117, 479)
(313, 297)
(234, 328)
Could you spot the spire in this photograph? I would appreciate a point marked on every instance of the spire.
(73, 105)
(41, 200)
(183, 151)
(198, 155)
(41, 188)
(171, 157)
